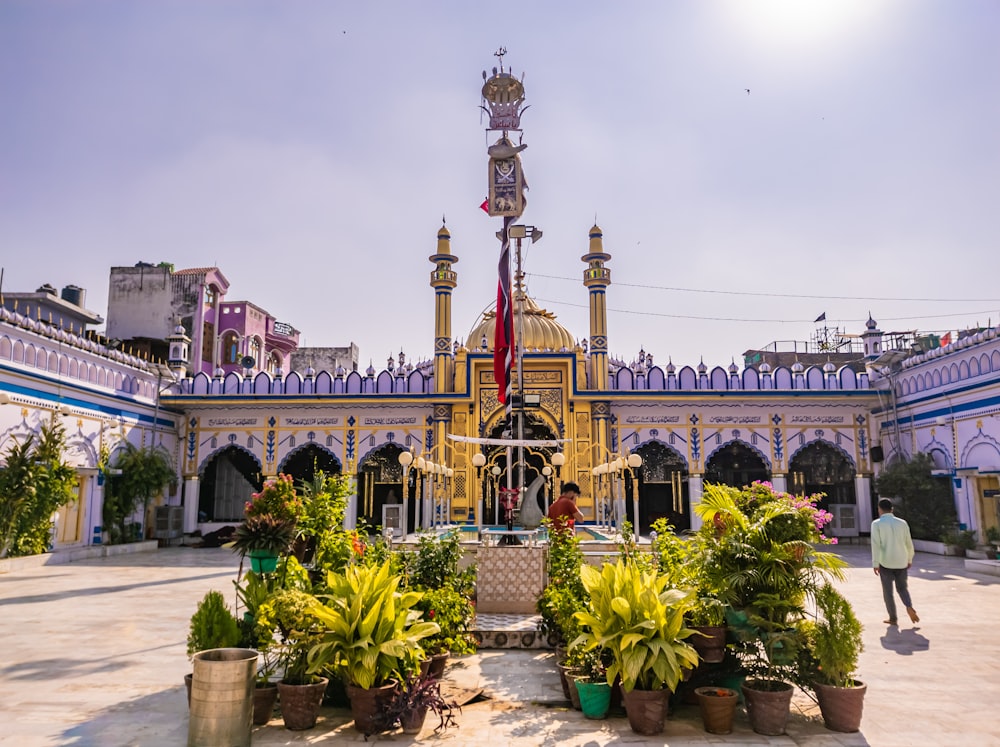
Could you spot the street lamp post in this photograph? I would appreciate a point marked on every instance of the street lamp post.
(405, 460)
(496, 472)
(479, 461)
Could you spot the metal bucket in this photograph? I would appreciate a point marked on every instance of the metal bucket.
(222, 698)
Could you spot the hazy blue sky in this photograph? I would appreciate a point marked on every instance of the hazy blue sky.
(309, 150)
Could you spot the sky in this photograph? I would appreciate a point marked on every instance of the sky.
(753, 164)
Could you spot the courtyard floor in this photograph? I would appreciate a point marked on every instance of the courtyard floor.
(94, 654)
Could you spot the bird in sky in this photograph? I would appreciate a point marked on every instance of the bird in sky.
(747, 90)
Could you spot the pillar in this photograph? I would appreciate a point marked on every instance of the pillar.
(695, 491)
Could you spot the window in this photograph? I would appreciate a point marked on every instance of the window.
(231, 348)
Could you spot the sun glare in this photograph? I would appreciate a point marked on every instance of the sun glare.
(800, 21)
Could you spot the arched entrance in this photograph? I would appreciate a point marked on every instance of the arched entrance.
(225, 484)
(822, 468)
(535, 459)
(380, 481)
(304, 463)
(736, 465)
(663, 488)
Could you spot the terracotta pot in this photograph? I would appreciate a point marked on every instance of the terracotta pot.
(768, 703)
(710, 644)
(300, 703)
(264, 698)
(564, 679)
(841, 706)
(367, 703)
(438, 663)
(646, 710)
(574, 694)
(718, 708)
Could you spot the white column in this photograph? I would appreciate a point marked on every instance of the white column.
(694, 498)
(780, 481)
(190, 501)
(863, 495)
(351, 514)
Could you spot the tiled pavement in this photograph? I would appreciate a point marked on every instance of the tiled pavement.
(94, 655)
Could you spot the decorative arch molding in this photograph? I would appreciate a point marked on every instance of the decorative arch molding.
(228, 447)
(665, 445)
(940, 456)
(981, 452)
(722, 446)
(547, 419)
(307, 445)
(839, 449)
(380, 446)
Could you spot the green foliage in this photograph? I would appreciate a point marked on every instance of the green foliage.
(628, 549)
(836, 639)
(682, 560)
(212, 625)
(264, 533)
(760, 558)
(640, 622)
(453, 614)
(370, 630)
(564, 595)
(993, 535)
(143, 473)
(278, 499)
(34, 485)
(291, 613)
(324, 503)
(762, 544)
(964, 538)
(435, 564)
(926, 501)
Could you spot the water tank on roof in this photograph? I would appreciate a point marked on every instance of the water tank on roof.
(74, 294)
(46, 289)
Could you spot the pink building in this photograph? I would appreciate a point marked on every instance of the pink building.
(247, 331)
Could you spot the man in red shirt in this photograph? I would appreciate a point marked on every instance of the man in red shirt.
(563, 512)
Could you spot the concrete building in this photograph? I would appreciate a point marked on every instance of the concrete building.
(65, 310)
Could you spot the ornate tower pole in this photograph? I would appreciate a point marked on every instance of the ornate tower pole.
(503, 101)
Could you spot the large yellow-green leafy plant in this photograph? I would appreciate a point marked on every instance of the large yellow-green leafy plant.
(370, 630)
(640, 621)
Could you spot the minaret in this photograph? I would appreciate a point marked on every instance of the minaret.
(872, 339)
(443, 280)
(597, 278)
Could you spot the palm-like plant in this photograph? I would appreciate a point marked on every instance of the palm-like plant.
(264, 533)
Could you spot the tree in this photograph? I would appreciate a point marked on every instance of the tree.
(926, 500)
(139, 474)
(34, 485)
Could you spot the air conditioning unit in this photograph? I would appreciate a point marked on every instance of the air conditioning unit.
(845, 520)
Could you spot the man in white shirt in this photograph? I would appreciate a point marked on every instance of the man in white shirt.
(892, 556)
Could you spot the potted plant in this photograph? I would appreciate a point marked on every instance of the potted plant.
(370, 632)
(593, 690)
(993, 538)
(416, 695)
(212, 626)
(263, 538)
(291, 613)
(718, 708)
(640, 622)
(454, 615)
(835, 643)
(763, 566)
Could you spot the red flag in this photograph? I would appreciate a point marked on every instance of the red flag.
(503, 335)
(946, 339)
(485, 207)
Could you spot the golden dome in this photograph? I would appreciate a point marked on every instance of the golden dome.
(540, 329)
